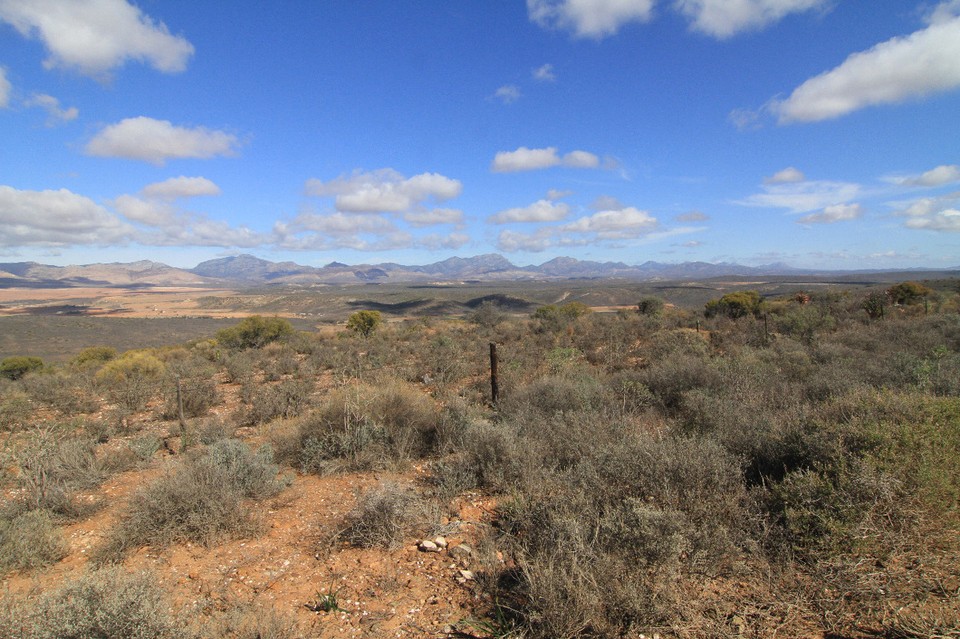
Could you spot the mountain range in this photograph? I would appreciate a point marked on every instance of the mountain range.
(248, 270)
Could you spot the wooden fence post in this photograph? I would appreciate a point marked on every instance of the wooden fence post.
(494, 388)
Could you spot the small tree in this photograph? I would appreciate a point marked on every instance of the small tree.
(735, 305)
(874, 303)
(907, 293)
(650, 305)
(255, 332)
(364, 322)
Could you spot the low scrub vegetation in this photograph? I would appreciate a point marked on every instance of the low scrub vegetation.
(655, 470)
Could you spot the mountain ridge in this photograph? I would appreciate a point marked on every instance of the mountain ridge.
(249, 270)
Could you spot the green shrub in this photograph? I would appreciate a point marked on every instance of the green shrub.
(255, 332)
(132, 379)
(907, 293)
(649, 305)
(93, 357)
(734, 305)
(364, 322)
(18, 366)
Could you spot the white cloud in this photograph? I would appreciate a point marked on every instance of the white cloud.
(450, 242)
(181, 187)
(833, 213)
(946, 220)
(920, 64)
(5, 89)
(96, 36)
(557, 194)
(55, 114)
(150, 212)
(384, 190)
(581, 160)
(508, 93)
(539, 211)
(940, 213)
(57, 218)
(786, 176)
(157, 141)
(725, 18)
(625, 223)
(434, 216)
(310, 231)
(545, 73)
(342, 225)
(589, 18)
(943, 174)
(524, 159)
(803, 197)
(511, 241)
(693, 216)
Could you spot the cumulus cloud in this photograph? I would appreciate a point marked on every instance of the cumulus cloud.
(625, 223)
(803, 197)
(182, 186)
(56, 218)
(832, 214)
(943, 174)
(156, 141)
(512, 241)
(450, 242)
(508, 93)
(384, 190)
(5, 89)
(97, 36)
(55, 114)
(539, 211)
(145, 211)
(581, 160)
(545, 73)
(313, 231)
(524, 159)
(940, 213)
(432, 217)
(786, 176)
(725, 18)
(342, 225)
(920, 64)
(589, 18)
(601, 228)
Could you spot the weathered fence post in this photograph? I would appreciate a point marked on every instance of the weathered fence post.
(494, 389)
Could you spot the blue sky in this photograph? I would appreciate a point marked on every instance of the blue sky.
(820, 133)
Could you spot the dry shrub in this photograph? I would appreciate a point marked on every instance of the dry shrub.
(200, 500)
(105, 604)
(363, 427)
(384, 516)
(29, 541)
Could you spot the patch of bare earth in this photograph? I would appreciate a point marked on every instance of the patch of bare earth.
(297, 560)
